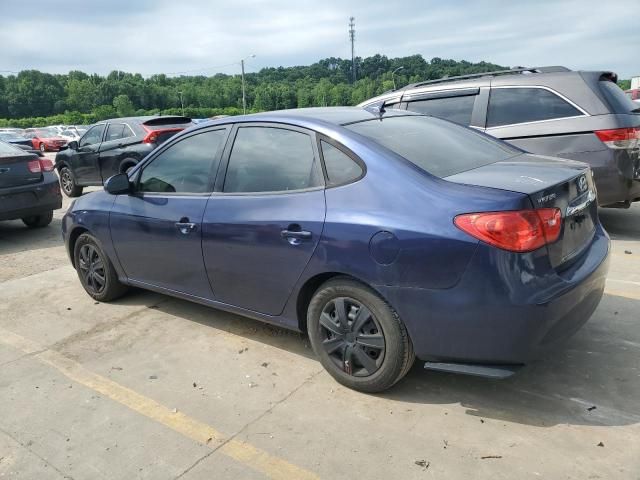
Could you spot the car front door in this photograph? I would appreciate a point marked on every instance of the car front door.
(264, 221)
(84, 162)
(157, 229)
(112, 150)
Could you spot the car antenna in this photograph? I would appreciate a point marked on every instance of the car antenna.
(377, 109)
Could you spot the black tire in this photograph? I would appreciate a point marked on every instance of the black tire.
(68, 183)
(95, 271)
(39, 221)
(372, 350)
(43, 147)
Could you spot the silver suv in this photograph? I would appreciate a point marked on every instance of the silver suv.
(576, 115)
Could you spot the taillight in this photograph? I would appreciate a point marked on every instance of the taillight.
(46, 165)
(516, 231)
(34, 166)
(152, 135)
(620, 137)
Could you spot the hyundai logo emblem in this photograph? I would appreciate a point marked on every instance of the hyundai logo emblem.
(582, 184)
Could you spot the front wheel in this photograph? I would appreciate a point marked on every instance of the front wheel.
(95, 271)
(43, 147)
(68, 183)
(358, 337)
(38, 221)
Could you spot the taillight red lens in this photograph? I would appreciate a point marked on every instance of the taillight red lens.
(46, 165)
(516, 231)
(34, 166)
(152, 135)
(620, 137)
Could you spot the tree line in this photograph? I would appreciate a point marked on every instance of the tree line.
(34, 98)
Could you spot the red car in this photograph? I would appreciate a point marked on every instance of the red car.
(45, 139)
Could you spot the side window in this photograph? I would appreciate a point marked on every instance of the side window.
(268, 159)
(508, 106)
(93, 136)
(184, 167)
(340, 167)
(114, 132)
(455, 109)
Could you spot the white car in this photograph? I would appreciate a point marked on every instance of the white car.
(72, 133)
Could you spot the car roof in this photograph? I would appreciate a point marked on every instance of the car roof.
(320, 115)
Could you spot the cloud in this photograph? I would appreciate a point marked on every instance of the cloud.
(167, 36)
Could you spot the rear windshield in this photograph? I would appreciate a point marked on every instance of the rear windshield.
(6, 149)
(618, 101)
(438, 147)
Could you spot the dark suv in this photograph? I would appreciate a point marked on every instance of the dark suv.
(111, 147)
(548, 110)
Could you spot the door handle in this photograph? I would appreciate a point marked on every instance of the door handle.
(294, 234)
(185, 226)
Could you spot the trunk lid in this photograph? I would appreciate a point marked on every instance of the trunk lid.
(14, 167)
(549, 183)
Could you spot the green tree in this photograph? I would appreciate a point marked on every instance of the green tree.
(124, 106)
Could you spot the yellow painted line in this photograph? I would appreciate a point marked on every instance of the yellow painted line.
(623, 288)
(626, 256)
(245, 453)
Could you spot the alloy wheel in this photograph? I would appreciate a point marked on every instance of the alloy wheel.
(352, 337)
(91, 267)
(66, 181)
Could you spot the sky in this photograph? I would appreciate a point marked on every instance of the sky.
(210, 36)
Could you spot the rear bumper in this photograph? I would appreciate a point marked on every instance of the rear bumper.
(25, 201)
(500, 313)
(617, 175)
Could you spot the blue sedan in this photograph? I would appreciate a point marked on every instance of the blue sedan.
(384, 235)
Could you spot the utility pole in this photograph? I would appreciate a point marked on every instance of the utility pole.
(244, 98)
(352, 37)
(181, 103)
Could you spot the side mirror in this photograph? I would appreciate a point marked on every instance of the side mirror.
(73, 145)
(118, 184)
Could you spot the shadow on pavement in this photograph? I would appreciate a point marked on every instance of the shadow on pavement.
(622, 224)
(598, 368)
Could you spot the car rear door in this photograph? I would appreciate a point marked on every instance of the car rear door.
(263, 223)
(84, 162)
(157, 229)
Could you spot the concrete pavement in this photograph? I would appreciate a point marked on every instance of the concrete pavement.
(154, 387)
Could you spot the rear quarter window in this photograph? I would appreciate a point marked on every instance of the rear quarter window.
(436, 146)
(509, 106)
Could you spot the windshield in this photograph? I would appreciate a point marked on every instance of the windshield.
(437, 146)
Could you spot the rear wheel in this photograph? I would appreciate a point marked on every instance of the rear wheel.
(95, 270)
(68, 183)
(38, 221)
(358, 337)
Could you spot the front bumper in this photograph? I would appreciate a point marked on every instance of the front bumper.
(499, 313)
(28, 200)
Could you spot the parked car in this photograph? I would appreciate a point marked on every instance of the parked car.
(28, 187)
(111, 147)
(72, 133)
(45, 139)
(581, 116)
(380, 235)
